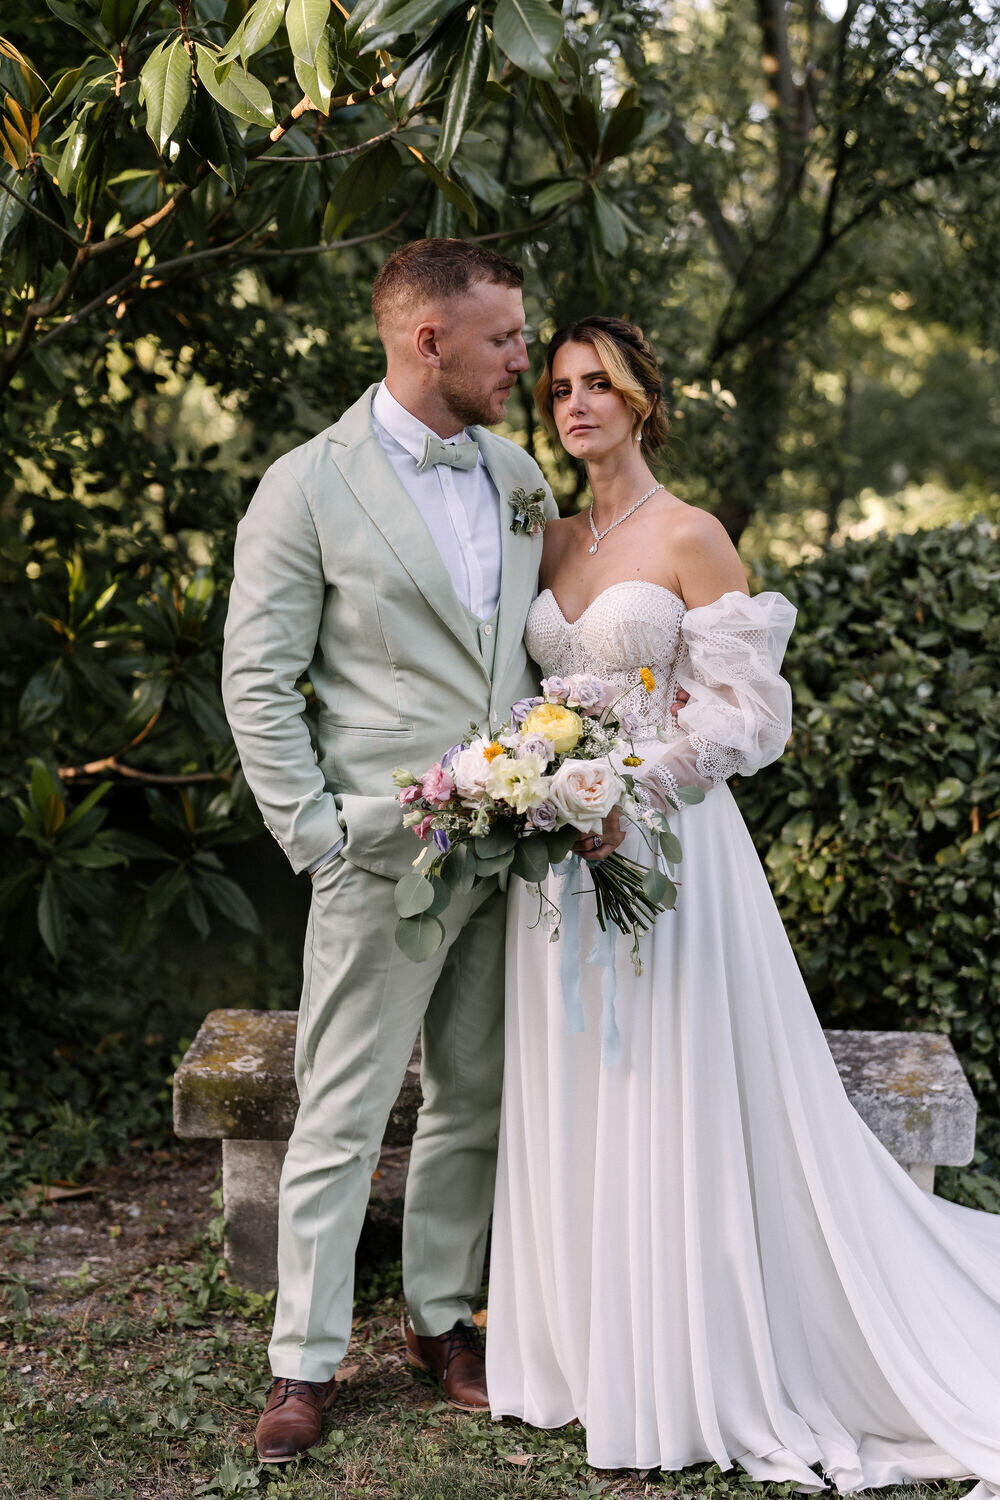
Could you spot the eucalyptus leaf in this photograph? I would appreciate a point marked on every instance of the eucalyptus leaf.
(458, 869)
(414, 894)
(670, 844)
(531, 860)
(692, 795)
(500, 841)
(655, 885)
(419, 937)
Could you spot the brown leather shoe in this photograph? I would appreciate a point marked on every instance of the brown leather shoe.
(457, 1362)
(292, 1418)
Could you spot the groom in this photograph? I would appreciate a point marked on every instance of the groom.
(379, 560)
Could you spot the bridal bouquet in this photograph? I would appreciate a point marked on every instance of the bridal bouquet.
(520, 801)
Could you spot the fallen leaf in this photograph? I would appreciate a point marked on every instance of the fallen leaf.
(51, 1192)
(346, 1373)
(479, 1318)
(522, 1459)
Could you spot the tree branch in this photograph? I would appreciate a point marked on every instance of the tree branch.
(34, 209)
(333, 155)
(111, 763)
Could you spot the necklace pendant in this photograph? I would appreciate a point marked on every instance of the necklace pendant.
(593, 549)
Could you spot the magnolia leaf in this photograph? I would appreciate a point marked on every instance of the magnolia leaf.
(51, 924)
(529, 33)
(118, 15)
(368, 180)
(466, 92)
(409, 18)
(254, 31)
(166, 88)
(235, 89)
(227, 898)
(316, 80)
(457, 196)
(419, 937)
(610, 229)
(556, 194)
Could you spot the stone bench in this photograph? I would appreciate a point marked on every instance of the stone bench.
(236, 1084)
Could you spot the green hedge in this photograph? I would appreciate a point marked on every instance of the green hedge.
(880, 826)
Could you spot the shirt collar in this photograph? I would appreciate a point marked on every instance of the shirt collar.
(407, 430)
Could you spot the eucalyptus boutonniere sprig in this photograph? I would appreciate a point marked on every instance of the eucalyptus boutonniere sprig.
(529, 511)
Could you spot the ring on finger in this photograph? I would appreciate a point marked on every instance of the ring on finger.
(596, 842)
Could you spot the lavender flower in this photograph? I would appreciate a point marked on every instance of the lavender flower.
(586, 692)
(449, 756)
(536, 744)
(543, 817)
(522, 708)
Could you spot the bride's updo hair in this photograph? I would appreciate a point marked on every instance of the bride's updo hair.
(630, 365)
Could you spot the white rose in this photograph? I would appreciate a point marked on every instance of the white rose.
(583, 792)
(469, 770)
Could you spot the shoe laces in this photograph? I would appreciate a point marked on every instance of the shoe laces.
(313, 1388)
(462, 1338)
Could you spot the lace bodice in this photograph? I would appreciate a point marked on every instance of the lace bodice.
(726, 655)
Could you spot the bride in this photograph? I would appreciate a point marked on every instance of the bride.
(699, 1250)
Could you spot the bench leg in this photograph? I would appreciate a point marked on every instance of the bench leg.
(922, 1173)
(250, 1173)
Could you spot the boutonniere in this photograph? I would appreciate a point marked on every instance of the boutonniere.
(529, 511)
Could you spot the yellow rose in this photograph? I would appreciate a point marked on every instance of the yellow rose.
(561, 726)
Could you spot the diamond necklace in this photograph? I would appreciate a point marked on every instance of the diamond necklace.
(600, 535)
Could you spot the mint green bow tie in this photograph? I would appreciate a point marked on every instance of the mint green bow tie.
(455, 455)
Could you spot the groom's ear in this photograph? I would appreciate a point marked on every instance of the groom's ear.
(427, 342)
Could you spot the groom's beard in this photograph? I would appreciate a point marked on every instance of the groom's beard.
(471, 407)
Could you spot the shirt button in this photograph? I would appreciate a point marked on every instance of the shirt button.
(487, 630)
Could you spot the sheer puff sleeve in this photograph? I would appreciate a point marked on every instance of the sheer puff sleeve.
(739, 715)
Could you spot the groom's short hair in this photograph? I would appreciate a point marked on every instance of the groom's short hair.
(437, 268)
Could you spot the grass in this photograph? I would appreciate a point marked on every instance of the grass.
(146, 1387)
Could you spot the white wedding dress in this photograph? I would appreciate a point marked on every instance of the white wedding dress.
(699, 1249)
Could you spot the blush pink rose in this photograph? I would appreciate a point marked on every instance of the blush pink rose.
(438, 785)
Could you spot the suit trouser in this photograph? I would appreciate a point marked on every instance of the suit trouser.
(363, 1004)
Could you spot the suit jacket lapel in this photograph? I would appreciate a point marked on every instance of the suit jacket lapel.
(520, 554)
(362, 461)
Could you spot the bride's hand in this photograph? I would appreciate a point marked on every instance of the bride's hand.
(600, 845)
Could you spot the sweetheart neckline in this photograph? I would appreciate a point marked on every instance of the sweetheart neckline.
(623, 583)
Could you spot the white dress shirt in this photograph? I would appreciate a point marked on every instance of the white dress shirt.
(461, 509)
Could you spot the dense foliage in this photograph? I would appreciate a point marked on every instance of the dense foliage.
(880, 826)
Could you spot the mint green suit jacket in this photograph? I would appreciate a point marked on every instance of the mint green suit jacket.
(337, 577)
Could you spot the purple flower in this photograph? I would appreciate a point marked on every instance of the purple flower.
(522, 708)
(631, 725)
(441, 840)
(543, 817)
(535, 744)
(555, 689)
(586, 692)
(449, 756)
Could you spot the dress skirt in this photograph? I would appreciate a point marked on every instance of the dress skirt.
(699, 1249)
